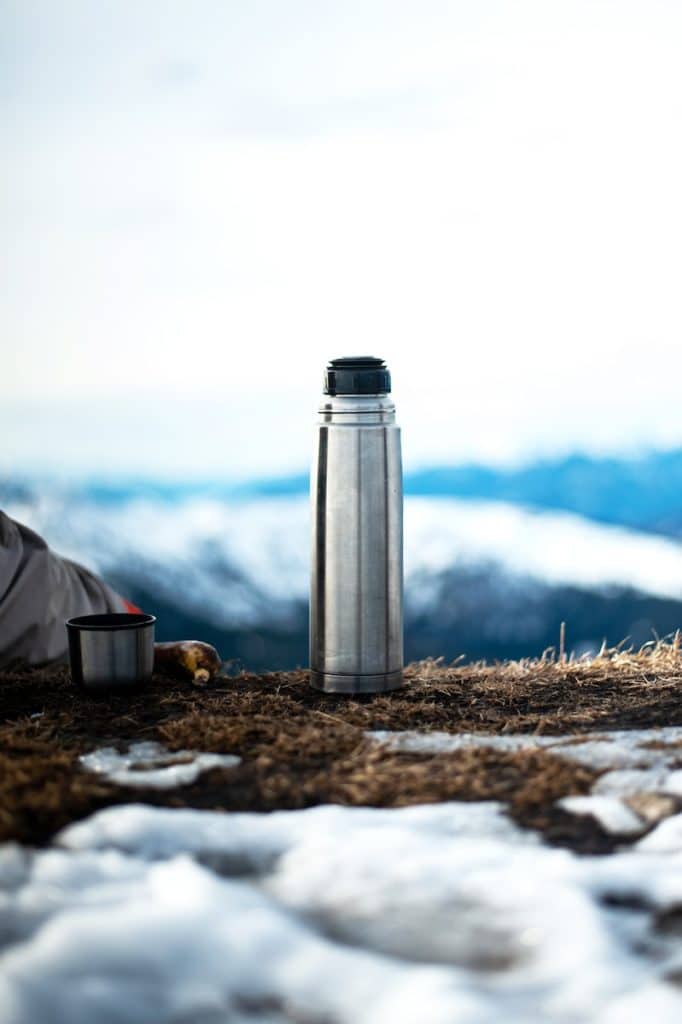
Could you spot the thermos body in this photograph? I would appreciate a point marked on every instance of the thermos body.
(356, 595)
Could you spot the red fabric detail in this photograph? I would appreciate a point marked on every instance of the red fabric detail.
(131, 608)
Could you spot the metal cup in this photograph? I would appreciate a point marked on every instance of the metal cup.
(114, 651)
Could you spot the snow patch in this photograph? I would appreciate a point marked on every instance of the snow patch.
(612, 814)
(639, 764)
(158, 768)
(612, 749)
(665, 838)
(436, 913)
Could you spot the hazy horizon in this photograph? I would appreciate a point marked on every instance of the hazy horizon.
(192, 442)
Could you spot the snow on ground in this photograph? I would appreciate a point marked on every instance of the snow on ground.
(638, 766)
(429, 914)
(151, 765)
(433, 914)
(613, 748)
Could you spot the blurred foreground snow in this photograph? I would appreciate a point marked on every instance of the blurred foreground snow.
(430, 914)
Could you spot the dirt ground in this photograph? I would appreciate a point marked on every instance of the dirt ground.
(300, 748)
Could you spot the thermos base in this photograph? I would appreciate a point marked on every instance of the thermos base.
(341, 682)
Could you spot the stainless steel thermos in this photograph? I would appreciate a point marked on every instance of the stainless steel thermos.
(356, 590)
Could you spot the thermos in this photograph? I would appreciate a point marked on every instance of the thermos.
(356, 590)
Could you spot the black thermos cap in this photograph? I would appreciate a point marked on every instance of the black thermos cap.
(357, 375)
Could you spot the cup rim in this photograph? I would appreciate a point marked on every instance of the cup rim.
(111, 621)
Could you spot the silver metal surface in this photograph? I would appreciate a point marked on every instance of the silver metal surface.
(113, 651)
(336, 682)
(356, 592)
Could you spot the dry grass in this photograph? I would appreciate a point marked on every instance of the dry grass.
(301, 748)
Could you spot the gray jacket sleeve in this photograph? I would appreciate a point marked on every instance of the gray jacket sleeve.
(38, 592)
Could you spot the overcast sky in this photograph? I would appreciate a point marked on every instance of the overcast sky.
(205, 201)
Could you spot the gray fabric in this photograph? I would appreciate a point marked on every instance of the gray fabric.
(38, 592)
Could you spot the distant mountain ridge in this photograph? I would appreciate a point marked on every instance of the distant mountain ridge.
(643, 493)
(484, 578)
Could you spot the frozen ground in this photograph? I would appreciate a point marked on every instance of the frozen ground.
(432, 914)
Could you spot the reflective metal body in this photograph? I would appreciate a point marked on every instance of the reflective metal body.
(113, 651)
(356, 593)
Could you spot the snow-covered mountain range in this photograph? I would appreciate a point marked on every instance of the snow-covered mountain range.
(482, 577)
